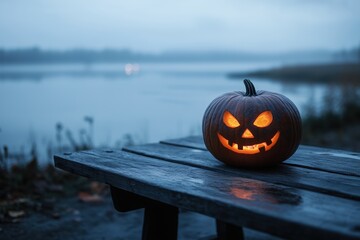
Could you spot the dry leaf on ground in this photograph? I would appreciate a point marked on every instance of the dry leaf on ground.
(90, 198)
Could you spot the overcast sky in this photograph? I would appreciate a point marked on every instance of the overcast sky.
(161, 25)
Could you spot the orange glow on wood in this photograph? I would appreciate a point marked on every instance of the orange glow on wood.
(242, 193)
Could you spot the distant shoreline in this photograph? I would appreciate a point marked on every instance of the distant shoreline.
(88, 56)
(329, 72)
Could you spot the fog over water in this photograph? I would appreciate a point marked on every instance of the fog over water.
(160, 25)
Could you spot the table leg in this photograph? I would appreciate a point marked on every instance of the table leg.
(160, 219)
(227, 231)
(125, 201)
(160, 222)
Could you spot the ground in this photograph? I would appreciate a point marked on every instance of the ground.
(48, 203)
(71, 218)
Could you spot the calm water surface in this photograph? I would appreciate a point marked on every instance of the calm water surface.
(155, 102)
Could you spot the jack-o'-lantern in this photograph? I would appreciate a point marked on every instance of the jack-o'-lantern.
(252, 128)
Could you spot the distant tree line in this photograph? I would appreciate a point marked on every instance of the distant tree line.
(351, 54)
(37, 55)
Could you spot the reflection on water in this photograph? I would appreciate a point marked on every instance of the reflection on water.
(154, 102)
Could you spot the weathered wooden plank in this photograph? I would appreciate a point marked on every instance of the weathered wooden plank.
(195, 142)
(279, 210)
(337, 161)
(314, 180)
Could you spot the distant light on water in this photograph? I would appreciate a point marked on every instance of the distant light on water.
(130, 69)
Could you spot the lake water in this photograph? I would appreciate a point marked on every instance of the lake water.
(148, 101)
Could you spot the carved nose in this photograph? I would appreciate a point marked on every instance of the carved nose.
(247, 134)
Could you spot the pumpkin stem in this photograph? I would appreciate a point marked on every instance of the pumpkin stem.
(250, 88)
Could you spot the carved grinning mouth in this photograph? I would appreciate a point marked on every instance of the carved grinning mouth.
(251, 149)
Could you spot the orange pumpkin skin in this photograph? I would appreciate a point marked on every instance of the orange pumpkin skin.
(252, 128)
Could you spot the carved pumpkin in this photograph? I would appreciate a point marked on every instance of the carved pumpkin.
(251, 129)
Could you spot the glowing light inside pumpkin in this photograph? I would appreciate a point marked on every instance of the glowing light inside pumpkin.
(264, 119)
(251, 149)
(247, 134)
(230, 120)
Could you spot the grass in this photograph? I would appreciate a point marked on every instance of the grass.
(336, 125)
(27, 186)
(30, 188)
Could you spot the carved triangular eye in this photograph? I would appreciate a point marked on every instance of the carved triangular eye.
(230, 120)
(264, 119)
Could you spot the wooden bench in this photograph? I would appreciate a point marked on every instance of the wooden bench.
(313, 195)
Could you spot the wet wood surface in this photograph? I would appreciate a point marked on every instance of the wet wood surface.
(306, 178)
(315, 199)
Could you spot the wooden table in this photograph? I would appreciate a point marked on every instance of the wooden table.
(313, 195)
